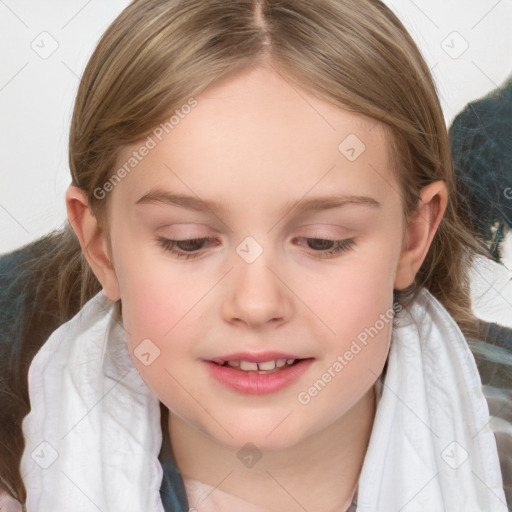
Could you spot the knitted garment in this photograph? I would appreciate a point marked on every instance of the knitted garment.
(481, 143)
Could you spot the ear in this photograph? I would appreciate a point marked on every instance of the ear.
(420, 231)
(92, 240)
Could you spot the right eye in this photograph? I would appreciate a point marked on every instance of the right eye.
(186, 249)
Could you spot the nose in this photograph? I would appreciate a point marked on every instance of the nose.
(257, 295)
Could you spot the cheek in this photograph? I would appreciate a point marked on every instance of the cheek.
(159, 318)
(353, 294)
(156, 291)
(164, 308)
(160, 307)
(355, 303)
(355, 348)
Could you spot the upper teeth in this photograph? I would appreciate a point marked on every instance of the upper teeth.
(265, 365)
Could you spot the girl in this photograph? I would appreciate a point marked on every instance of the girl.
(266, 304)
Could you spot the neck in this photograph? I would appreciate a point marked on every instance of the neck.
(318, 474)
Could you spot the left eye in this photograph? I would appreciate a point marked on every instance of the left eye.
(190, 248)
(329, 247)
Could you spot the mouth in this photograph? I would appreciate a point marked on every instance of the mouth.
(258, 377)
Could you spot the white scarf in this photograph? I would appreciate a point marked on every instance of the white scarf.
(93, 434)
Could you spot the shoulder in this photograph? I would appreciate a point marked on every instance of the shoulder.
(9, 504)
(28, 311)
(15, 295)
(493, 357)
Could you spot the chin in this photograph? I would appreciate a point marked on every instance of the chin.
(265, 436)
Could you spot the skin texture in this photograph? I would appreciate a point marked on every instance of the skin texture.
(255, 143)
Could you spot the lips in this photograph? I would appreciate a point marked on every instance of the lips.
(254, 380)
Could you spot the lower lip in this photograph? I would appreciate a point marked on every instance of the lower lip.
(253, 383)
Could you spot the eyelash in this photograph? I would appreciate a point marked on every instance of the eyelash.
(169, 245)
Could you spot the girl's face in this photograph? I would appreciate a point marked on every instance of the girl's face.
(313, 281)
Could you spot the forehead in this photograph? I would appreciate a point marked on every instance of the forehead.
(257, 132)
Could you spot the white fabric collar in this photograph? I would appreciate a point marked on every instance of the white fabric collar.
(93, 434)
(431, 448)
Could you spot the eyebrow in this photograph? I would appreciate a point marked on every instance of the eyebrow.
(302, 205)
